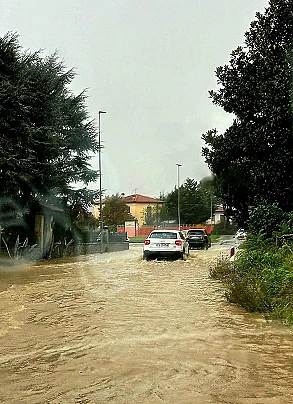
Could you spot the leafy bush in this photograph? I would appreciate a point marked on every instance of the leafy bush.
(260, 279)
(265, 218)
(224, 228)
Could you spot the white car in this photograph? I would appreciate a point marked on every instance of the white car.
(165, 244)
(240, 234)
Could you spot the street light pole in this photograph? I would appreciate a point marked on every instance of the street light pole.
(178, 201)
(100, 187)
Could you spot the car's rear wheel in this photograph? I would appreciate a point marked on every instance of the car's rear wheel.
(146, 256)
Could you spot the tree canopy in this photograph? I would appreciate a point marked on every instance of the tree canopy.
(195, 203)
(252, 161)
(115, 212)
(46, 135)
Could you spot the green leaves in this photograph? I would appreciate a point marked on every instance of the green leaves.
(195, 203)
(45, 131)
(252, 160)
(46, 135)
(115, 212)
(260, 279)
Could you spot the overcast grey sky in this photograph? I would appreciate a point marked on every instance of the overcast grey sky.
(149, 64)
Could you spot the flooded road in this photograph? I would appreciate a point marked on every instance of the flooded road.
(113, 328)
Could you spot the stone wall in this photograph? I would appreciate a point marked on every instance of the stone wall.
(94, 248)
(73, 250)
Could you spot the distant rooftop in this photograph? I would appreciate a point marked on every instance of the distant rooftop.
(137, 198)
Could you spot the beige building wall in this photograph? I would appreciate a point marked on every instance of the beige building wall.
(136, 209)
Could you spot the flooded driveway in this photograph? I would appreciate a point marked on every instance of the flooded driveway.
(113, 328)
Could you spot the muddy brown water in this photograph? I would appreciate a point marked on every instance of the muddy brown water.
(113, 328)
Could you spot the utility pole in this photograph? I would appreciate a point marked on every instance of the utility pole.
(178, 201)
(100, 187)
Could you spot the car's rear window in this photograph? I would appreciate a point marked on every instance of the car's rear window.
(163, 235)
(196, 232)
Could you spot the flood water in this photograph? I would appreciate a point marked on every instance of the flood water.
(113, 328)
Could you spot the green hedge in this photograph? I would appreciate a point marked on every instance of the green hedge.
(136, 239)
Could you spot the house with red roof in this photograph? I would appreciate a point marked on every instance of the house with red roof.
(141, 206)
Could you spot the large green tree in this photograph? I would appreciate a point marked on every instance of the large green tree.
(195, 203)
(115, 212)
(46, 135)
(253, 159)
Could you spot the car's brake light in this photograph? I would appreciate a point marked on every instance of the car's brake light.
(178, 242)
(147, 242)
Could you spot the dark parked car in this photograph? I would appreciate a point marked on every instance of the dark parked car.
(198, 238)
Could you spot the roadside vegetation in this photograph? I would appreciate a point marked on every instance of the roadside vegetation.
(260, 279)
(251, 163)
(214, 237)
(224, 228)
(137, 239)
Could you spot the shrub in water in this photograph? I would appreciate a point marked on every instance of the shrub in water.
(260, 278)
